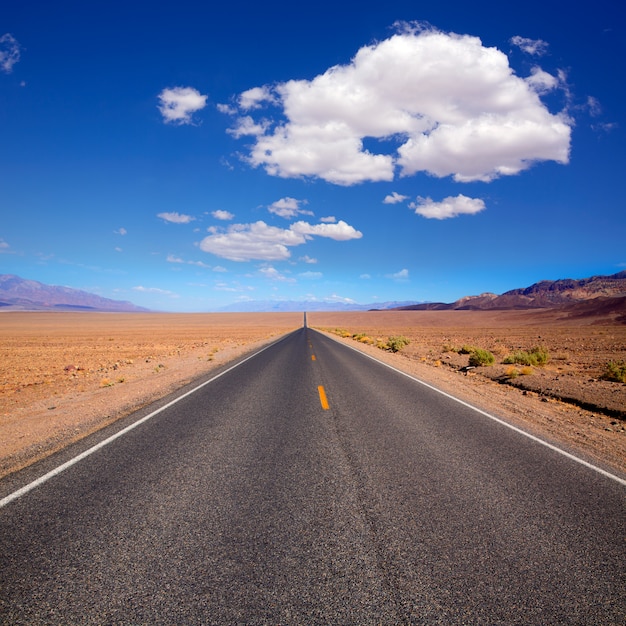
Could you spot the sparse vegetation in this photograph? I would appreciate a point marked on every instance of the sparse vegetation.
(615, 372)
(536, 356)
(511, 372)
(480, 357)
(397, 342)
(466, 349)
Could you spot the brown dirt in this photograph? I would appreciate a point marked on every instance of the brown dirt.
(564, 401)
(66, 375)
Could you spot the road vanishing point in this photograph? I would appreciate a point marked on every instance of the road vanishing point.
(309, 484)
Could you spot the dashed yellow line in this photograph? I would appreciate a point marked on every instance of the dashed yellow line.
(312, 357)
(323, 399)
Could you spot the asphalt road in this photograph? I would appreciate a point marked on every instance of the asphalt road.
(311, 485)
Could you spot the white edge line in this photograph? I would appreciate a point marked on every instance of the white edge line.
(61, 468)
(492, 417)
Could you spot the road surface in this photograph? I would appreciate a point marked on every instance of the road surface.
(312, 485)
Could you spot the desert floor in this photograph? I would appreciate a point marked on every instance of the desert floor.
(65, 375)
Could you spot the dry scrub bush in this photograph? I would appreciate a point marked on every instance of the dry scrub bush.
(480, 357)
(615, 372)
(536, 356)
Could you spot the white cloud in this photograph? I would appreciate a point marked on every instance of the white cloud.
(394, 198)
(402, 275)
(448, 207)
(121, 231)
(247, 126)
(311, 275)
(331, 219)
(176, 218)
(307, 259)
(246, 242)
(4, 246)
(272, 273)
(173, 259)
(9, 52)
(177, 105)
(452, 106)
(536, 47)
(288, 208)
(339, 231)
(541, 81)
(255, 97)
(222, 215)
(156, 290)
(259, 241)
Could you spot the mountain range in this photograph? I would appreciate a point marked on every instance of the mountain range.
(545, 294)
(583, 295)
(20, 294)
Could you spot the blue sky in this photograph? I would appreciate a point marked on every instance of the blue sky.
(186, 157)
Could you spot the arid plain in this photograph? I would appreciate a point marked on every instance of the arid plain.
(65, 375)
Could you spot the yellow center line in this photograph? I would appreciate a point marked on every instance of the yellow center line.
(312, 357)
(323, 398)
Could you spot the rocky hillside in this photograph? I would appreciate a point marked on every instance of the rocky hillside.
(541, 295)
(29, 295)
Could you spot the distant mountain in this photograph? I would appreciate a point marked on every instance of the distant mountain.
(284, 306)
(21, 294)
(542, 295)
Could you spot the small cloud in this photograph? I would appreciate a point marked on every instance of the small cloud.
(9, 52)
(253, 98)
(199, 264)
(339, 231)
(272, 273)
(227, 109)
(606, 127)
(4, 246)
(311, 275)
(288, 208)
(448, 207)
(336, 298)
(307, 259)
(118, 249)
(173, 259)
(176, 218)
(402, 275)
(121, 231)
(331, 219)
(155, 290)
(177, 105)
(394, 198)
(536, 47)
(365, 276)
(222, 215)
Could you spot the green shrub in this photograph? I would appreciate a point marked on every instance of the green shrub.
(467, 349)
(481, 357)
(396, 343)
(615, 372)
(537, 356)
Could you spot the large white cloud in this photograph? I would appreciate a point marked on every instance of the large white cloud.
(177, 105)
(259, 241)
(446, 104)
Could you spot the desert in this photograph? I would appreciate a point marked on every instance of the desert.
(67, 374)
